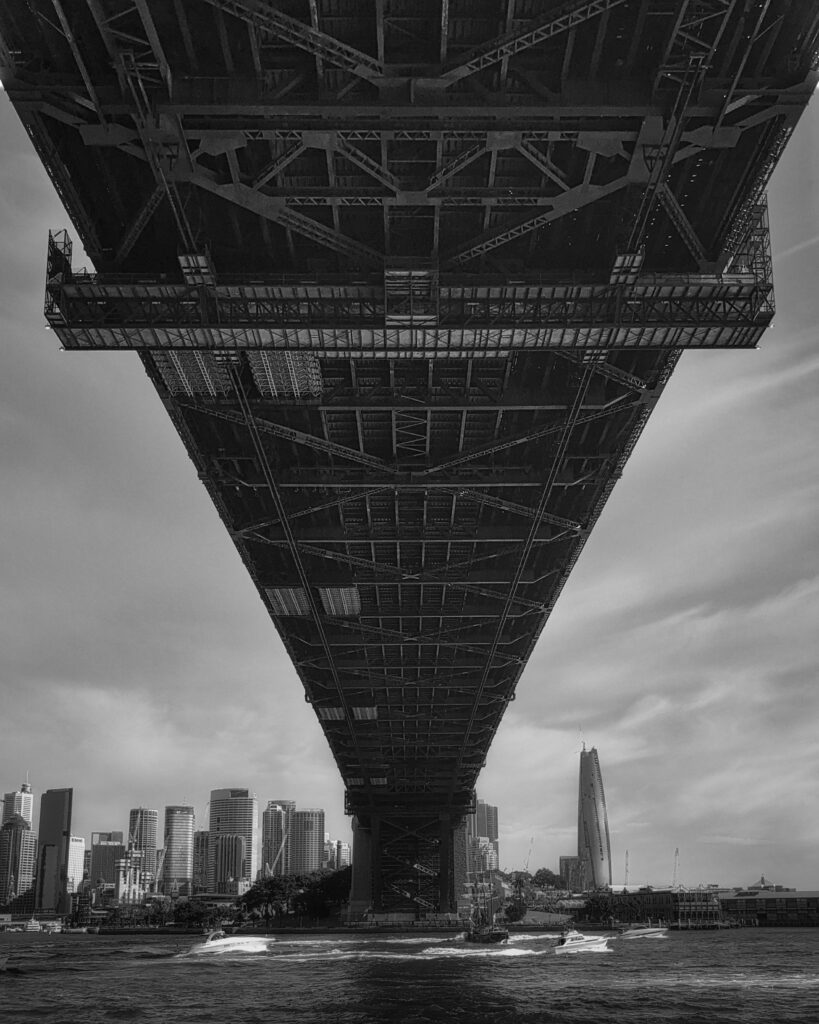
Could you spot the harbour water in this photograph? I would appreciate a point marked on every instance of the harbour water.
(754, 975)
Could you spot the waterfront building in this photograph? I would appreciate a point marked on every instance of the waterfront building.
(76, 863)
(20, 801)
(307, 841)
(593, 843)
(54, 835)
(234, 812)
(200, 860)
(18, 855)
(772, 907)
(277, 826)
(143, 826)
(106, 849)
(177, 869)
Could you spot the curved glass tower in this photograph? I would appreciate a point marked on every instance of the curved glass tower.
(593, 844)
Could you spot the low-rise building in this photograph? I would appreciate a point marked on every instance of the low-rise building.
(783, 908)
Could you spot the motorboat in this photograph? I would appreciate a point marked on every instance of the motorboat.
(644, 931)
(572, 941)
(219, 941)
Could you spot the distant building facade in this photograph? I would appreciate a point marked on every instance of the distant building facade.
(228, 853)
(177, 868)
(18, 855)
(482, 842)
(53, 849)
(307, 841)
(21, 802)
(234, 812)
(571, 871)
(277, 828)
(106, 849)
(76, 863)
(201, 842)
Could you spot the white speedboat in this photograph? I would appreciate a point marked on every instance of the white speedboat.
(573, 942)
(644, 931)
(221, 942)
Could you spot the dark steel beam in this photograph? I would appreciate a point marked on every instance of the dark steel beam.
(319, 44)
(570, 15)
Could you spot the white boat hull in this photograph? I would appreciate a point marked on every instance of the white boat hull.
(574, 942)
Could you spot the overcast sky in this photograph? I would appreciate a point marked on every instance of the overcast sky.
(138, 665)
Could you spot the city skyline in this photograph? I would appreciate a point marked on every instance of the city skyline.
(683, 645)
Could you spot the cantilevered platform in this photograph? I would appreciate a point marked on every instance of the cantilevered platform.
(409, 278)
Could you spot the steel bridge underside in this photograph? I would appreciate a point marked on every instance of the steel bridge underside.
(409, 278)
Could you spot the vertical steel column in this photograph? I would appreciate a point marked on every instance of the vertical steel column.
(445, 866)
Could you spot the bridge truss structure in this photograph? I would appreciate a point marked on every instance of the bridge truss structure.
(409, 277)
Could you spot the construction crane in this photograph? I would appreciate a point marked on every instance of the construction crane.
(529, 854)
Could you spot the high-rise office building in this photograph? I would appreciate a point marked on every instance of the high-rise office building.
(21, 802)
(18, 855)
(343, 855)
(201, 841)
(143, 826)
(76, 863)
(177, 868)
(307, 841)
(593, 843)
(277, 826)
(53, 849)
(106, 849)
(234, 812)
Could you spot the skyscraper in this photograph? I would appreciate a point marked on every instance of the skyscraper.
(76, 863)
(143, 825)
(277, 826)
(54, 844)
(21, 802)
(593, 843)
(106, 849)
(177, 870)
(18, 855)
(307, 841)
(234, 812)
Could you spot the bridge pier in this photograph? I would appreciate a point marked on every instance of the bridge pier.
(361, 889)
(426, 878)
